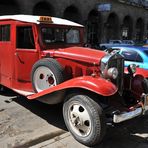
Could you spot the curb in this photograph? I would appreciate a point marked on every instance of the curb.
(51, 141)
(41, 139)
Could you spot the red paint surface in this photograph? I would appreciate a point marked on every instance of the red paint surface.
(97, 85)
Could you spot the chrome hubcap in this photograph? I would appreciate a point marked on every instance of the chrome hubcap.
(79, 119)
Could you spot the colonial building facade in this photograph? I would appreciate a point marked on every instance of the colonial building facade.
(103, 19)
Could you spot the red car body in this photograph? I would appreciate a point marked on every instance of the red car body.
(16, 64)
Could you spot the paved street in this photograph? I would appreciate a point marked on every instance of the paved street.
(25, 123)
(133, 134)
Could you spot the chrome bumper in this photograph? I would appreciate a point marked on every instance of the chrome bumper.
(127, 115)
(117, 118)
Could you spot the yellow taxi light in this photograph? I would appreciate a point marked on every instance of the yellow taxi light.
(46, 19)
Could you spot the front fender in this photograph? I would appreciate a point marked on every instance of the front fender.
(97, 85)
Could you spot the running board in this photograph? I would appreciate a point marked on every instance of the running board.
(24, 93)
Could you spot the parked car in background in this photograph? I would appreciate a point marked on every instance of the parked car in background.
(109, 44)
(134, 55)
(143, 72)
(116, 42)
(128, 42)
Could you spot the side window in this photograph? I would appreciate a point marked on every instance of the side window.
(25, 37)
(4, 33)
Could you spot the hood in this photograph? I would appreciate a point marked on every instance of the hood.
(78, 53)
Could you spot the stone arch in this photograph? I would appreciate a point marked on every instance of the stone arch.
(139, 29)
(9, 7)
(93, 27)
(72, 13)
(127, 28)
(112, 27)
(43, 8)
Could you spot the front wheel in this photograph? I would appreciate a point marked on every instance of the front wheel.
(84, 118)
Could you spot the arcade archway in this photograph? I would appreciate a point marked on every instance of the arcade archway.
(72, 13)
(127, 28)
(43, 8)
(112, 27)
(93, 28)
(139, 29)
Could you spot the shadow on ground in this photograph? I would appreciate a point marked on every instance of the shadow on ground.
(51, 113)
(130, 134)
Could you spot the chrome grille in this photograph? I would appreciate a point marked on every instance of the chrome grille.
(114, 60)
(118, 62)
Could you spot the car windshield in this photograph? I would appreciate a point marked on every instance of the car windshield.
(131, 55)
(60, 35)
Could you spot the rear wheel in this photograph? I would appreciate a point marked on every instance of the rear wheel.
(46, 73)
(85, 120)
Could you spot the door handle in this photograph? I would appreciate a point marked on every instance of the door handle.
(17, 55)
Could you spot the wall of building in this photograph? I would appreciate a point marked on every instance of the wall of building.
(123, 21)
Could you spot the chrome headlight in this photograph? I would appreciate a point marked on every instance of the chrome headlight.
(112, 73)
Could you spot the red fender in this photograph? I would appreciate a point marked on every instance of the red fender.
(137, 87)
(97, 85)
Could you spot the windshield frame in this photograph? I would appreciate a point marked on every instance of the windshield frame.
(59, 45)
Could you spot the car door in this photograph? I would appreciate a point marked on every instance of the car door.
(26, 53)
(6, 54)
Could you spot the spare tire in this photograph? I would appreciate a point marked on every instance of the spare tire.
(46, 73)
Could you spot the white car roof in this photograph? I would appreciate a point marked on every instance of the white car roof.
(35, 19)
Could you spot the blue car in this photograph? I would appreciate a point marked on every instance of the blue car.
(134, 55)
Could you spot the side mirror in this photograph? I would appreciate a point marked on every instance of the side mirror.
(132, 69)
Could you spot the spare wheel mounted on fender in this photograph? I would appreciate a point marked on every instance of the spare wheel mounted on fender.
(46, 73)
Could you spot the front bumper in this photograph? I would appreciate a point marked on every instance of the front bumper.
(117, 118)
(136, 111)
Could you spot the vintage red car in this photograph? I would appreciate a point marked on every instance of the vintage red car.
(43, 58)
